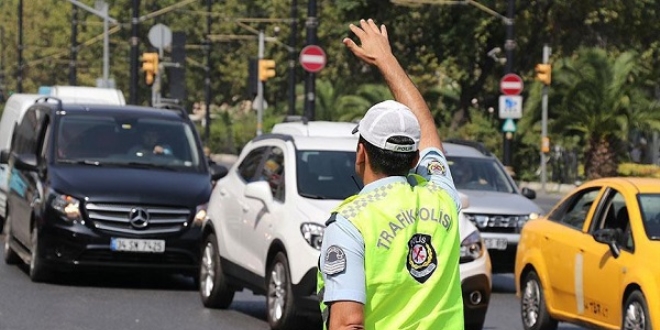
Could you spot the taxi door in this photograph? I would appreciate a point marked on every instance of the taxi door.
(603, 272)
(562, 250)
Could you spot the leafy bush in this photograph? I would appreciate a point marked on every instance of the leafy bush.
(640, 170)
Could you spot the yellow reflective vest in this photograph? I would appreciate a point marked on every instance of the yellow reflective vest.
(411, 261)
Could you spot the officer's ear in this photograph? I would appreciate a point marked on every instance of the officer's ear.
(360, 154)
(415, 161)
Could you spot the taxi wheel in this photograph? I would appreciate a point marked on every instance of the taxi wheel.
(38, 271)
(281, 309)
(636, 313)
(533, 310)
(11, 257)
(213, 288)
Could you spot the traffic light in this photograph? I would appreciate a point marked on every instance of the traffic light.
(266, 69)
(544, 73)
(150, 66)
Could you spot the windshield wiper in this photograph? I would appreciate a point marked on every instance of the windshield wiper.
(147, 165)
(311, 196)
(80, 162)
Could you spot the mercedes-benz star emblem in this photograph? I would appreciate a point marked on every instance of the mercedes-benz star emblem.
(139, 217)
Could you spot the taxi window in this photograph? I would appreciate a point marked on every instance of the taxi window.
(573, 212)
(614, 215)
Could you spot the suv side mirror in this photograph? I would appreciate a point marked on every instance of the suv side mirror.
(4, 156)
(465, 200)
(260, 190)
(610, 237)
(529, 193)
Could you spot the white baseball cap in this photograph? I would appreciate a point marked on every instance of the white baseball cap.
(387, 119)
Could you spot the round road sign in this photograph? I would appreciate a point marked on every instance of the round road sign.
(312, 58)
(511, 84)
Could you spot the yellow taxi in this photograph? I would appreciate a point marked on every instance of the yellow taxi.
(594, 259)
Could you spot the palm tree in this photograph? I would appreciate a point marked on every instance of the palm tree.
(600, 99)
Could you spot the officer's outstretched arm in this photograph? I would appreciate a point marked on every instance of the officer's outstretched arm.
(375, 49)
(346, 315)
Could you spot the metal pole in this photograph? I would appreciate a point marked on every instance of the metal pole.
(74, 46)
(293, 41)
(207, 78)
(310, 83)
(260, 87)
(544, 121)
(135, 41)
(19, 73)
(509, 46)
(106, 46)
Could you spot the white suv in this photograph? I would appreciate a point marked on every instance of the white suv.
(267, 217)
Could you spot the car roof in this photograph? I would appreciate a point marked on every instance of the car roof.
(457, 150)
(642, 185)
(328, 129)
(114, 109)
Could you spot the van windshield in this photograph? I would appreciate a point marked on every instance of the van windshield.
(121, 140)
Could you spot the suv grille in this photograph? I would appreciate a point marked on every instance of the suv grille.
(139, 220)
(490, 223)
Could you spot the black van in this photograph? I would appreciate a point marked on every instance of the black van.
(105, 186)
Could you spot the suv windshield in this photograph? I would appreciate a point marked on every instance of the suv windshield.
(479, 174)
(126, 141)
(649, 204)
(327, 174)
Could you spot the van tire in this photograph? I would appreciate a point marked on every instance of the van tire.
(11, 257)
(39, 272)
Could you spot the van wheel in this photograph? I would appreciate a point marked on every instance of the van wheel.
(213, 287)
(39, 272)
(11, 257)
(636, 313)
(281, 309)
(533, 309)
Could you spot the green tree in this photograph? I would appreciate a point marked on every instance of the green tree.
(599, 98)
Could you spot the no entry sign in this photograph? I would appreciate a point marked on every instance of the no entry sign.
(312, 58)
(511, 84)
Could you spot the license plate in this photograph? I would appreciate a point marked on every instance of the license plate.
(137, 245)
(495, 243)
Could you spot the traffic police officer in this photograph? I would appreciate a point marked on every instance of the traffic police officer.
(390, 255)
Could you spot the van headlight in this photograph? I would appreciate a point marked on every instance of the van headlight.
(67, 206)
(201, 215)
(471, 247)
(313, 234)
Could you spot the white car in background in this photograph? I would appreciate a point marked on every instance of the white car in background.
(267, 217)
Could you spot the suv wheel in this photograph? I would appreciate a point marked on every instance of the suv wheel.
(38, 271)
(213, 287)
(636, 312)
(11, 258)
(281, 309)
(533, 311)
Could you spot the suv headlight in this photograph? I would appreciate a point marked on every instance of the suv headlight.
(313, 234)
(471, 247)
(67, 206)
(522, 220)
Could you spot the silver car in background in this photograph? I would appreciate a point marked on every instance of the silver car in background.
(497, 207)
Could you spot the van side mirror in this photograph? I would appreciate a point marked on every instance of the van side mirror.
(218, 171)
(529, 193)
(26, 162)
(610, 237)
(4, 156)
(260, 190)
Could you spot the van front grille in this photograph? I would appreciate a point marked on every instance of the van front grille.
(137, 219)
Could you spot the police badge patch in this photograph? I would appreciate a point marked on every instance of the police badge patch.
(436, 168)
(335, 260)
(422, 259)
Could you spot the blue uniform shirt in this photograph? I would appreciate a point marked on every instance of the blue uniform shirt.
(349, 284)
